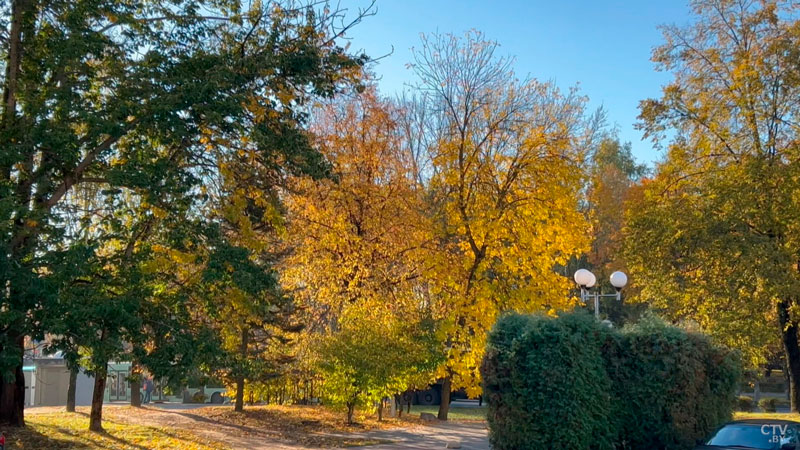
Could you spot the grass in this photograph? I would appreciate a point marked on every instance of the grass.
(456, 413)
(68, 430)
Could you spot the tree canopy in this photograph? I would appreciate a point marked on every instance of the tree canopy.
(713, 236)
(147, 100)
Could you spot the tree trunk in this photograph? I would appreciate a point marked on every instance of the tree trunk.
(380, 410)
(756, 390)
(444, 406)
(136, 386)
(12, 393)
(351, 406)
(785, 370)
(398, 400)
(136, 393)
(239, 406)
(792, 349)
(73, 384)
(96, 415)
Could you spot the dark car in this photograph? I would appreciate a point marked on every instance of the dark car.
(764, 434)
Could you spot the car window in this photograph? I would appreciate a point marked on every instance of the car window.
(758, 436)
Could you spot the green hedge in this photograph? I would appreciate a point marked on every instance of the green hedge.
(574, 383)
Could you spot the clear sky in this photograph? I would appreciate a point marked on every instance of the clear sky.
(604, 45)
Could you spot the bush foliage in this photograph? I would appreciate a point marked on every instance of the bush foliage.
(744, 403)
(768, 404)
(571, 382)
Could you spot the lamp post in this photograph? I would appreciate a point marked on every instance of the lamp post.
(586, 280)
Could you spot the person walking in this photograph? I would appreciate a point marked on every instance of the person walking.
(149, 387)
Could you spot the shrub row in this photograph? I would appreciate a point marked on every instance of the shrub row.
(571, 382)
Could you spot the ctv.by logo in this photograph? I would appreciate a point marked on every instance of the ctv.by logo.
(778, 432)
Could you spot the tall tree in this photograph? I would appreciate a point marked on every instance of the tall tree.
(358, 254)
(713, 238)
(122, 94)
(365, 222)
(613, 173)
(501, 161)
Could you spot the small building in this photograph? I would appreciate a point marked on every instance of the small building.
(47, 381)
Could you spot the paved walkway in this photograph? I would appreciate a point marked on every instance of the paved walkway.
(471, 436)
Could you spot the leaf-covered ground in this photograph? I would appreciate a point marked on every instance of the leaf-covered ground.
(65, 430)
(312, 426)
(202, 428)
(217, 428)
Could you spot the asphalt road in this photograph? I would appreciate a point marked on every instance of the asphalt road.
(471, 436)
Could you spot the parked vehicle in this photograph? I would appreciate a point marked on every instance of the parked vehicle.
(761, 434)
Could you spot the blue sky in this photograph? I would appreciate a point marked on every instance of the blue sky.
(603, 45)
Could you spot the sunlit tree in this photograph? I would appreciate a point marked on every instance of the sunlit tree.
(713, 238)
(500, 159)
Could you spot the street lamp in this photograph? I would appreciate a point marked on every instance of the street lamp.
(586, 280)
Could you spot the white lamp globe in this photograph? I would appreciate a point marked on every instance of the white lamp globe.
(619, 279)
(584, 278)
(593, 280)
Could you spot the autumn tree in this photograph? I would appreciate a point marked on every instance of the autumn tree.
(613, 173)
(358, 251)
(370, 358)
(122, 94)
(365, 221)
(501, 162)
(713, 237)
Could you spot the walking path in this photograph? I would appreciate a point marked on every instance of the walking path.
(470, 435)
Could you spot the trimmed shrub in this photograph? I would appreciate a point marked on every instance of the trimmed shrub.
(768, 404)
(545, 383)
(571, 382)
(677, 387)
(744, 403)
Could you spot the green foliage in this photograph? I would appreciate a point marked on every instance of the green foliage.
(546, 384)
(675, 387)
(768, 404)
(571, 382)
(713, 237)
(744, 403)
(365, 362)
(118, 118)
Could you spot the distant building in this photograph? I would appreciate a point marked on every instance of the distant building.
(47, 381)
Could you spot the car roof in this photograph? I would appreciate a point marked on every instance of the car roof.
(763, 422)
